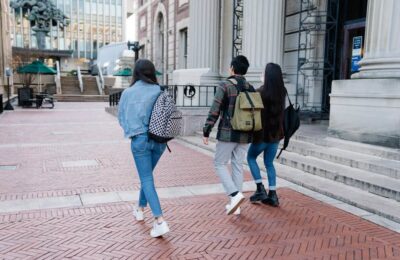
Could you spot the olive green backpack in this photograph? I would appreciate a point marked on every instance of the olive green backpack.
(247, 112)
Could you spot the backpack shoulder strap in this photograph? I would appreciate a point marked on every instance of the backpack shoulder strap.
(287, 94)
(234, 82)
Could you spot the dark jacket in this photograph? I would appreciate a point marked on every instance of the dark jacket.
(272, 125)
(223, 107)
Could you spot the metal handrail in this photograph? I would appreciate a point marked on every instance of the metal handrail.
(183, 95)
(80, 78)
(101, 79)
(58, 78)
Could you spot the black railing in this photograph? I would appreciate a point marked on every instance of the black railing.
(114, 98)
(183, 95)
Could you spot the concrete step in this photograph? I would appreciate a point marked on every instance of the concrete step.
(71, 91)
(81, 98)
(90, 86)
(367, 162)
(322, 140)
(385, 185)
(371, 163)
(379, 151)
(378, 184)
(70, 85)
(373, 203)
(384, 207)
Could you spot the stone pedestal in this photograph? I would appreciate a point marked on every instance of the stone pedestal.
(367, 109)
(263, 28)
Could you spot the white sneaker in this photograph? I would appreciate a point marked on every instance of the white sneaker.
(139, 214)
(237, 212)
(159, 229)
(235, 203)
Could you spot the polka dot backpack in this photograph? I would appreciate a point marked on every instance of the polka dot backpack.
(165, 120)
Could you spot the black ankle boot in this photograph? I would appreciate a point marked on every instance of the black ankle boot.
(259, 195)
(272, 199)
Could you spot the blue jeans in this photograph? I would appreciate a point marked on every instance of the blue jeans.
(269, 150)
(146, 154)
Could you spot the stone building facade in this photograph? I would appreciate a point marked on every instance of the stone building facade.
(5, 43)
(319, 44)
(163, 33)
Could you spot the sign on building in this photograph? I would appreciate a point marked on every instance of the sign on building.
(356, 55)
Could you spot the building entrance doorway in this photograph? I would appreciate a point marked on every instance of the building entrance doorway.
(353, 48)
(344, 46)
(350, 44)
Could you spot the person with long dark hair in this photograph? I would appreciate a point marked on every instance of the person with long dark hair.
(134, 111)
(273, 94)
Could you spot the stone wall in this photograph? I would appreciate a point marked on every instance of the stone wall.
(193, 119)
(5, 42)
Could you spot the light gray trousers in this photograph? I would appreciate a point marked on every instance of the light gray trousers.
(236, 153)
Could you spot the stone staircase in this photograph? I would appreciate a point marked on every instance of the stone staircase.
(72, 93)
(70, 85)
(364, 176)
(90, 85)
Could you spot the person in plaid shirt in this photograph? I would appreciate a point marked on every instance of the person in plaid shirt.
(232, 145)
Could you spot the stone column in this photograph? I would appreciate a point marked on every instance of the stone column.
(203, 45)
(204, 34)
(382, 41)
(263, 29)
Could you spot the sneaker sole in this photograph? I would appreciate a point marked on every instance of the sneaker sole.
(267, 203)
(237, 206)
(136, 218)
(160, 235)
(256, 201)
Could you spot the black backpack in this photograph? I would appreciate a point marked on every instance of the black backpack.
(291, 122)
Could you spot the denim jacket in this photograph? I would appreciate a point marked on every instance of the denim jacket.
(135, 107)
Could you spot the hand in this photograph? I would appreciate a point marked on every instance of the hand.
(205, 140)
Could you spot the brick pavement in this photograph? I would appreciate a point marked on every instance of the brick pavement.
(39, 143)
(301, 228)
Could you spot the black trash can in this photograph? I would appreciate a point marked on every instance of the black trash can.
(1, 103)
(25, 96)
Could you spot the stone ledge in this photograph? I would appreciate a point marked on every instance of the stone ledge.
(193, 118)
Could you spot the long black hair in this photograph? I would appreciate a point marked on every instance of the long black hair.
(273, 94)
(144, 70)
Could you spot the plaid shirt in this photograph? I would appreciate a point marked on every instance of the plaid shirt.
(223, 107)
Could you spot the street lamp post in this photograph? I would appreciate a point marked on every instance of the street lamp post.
(8, 104)
(135, 47)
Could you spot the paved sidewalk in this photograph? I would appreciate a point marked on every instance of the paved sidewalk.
(77, 151)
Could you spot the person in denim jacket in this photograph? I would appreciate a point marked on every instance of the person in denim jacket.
(134, 111)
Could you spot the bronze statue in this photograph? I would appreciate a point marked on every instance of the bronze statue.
(42, 14)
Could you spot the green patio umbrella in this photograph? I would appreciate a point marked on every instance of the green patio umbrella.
(37, 67)
(123, 72)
